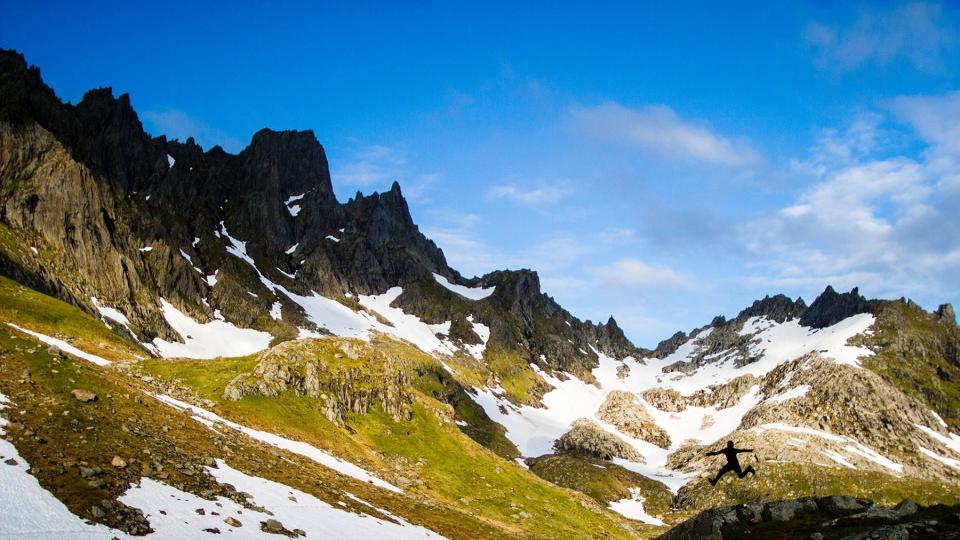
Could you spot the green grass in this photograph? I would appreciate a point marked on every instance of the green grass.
(428, 456)
(476, 480)
(207, 378)
(601, 480)
(125, 421)
(38, 312)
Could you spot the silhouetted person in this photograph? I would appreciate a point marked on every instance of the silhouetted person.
(733, 464)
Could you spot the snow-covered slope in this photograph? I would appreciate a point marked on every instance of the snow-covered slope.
(703, 416)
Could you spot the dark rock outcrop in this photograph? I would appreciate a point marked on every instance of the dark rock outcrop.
(833, 517)
(832, 307)
(777, 308)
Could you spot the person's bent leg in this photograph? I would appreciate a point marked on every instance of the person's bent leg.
(724, 470)
(748, 470)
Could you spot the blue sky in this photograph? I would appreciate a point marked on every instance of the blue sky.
(663, 164)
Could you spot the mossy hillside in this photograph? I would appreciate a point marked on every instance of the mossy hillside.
(919, 354)
(470, 417)
(41, 313)
(473, 479)
(428, 455)
(208, 378)
(775, 481)
(57, 435)
(601, 480)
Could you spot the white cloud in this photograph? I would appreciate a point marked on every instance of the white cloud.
(176, 124)
(542, 196)
(885, 222)
(634, 273)
(658, 129)
(916, 32)
(935, 118)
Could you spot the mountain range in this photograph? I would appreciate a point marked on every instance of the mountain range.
(198, 342)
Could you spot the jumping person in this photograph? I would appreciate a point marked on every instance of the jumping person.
(733, 464)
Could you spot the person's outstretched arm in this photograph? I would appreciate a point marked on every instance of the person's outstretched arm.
(717, 453)
(744, 450)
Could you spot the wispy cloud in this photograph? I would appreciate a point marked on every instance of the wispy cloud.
(540, 196)
(177, 124)
(935, 118)
(918, 33)
(374, 164)
(379, 165)
(658, 129)
(634, 273)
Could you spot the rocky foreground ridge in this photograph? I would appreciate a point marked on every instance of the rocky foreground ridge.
(835, 517)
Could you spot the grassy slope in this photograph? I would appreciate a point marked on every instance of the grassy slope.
(428, 456)
(38, 312)
(601, 480)
(57, 435)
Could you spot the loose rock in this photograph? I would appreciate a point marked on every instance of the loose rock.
(84, 396)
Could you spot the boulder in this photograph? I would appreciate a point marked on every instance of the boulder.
(587, 437)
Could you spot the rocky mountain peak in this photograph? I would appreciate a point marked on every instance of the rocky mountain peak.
(292, 162)
(777, 308)
(832, 307)
(946, 314)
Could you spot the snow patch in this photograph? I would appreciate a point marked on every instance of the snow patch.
(170, 160)
(110, 313)
(838, 458)
(294, 209)
(147, 249)
(292, 248)
(777, 343)
(405, 326)
(483, 331)
(208, 340)
(30, 511)
(209, 419)
(632, 508)
(851, 445)
(951, 440)
(945, 460)
(793, 393)
(471, 293)
(275, 311)
(63, 346)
